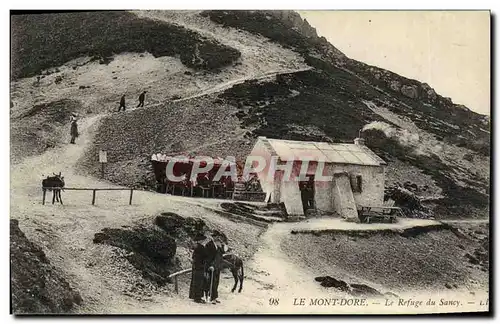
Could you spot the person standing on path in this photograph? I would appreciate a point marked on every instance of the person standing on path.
(74, 128)
(198, 270)
(142, 96)
(214, 263)
(122, 103)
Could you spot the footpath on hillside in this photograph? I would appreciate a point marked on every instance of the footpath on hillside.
(272, 279)
(26, 176)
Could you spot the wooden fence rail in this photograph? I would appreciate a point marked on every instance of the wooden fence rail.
(44, 189)
(175, 275)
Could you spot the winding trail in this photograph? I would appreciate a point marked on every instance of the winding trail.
(268, 273)
(226, 85)
(66, 232)
(466, 221)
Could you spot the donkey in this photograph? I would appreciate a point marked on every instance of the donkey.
(235, 264)
(56, 181)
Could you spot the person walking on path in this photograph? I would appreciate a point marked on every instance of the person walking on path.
(74, 128)
(141, 99)
(196, 288)
(122, 103)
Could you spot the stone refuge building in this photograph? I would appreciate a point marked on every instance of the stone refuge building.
(342, 177)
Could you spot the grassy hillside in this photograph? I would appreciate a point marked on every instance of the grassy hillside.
(430, 111)
(198, 126)
(37, 287)
(331, 102)
(324, 106)
(325, 101)
(437, 259)
(46, 41)
(41, 128)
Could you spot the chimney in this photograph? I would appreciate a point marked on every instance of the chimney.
(359, 141)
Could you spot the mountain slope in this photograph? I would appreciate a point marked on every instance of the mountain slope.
(427, 106)
(286, 83)
(59, 38)
(37, 286)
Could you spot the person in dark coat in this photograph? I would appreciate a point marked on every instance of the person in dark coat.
(198, 270)
(214, 263)
(310, 198)
(304, 197)
(74, 129)
(141, 99)
(122, 103)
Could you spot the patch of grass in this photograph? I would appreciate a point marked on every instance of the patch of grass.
(427, 261)
(50, 40)
(324, 101)
(424, 112)
(36, 286)
(455, 196)
(41, 127)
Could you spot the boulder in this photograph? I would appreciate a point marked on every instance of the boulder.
(431, 95)
(407, 200)
(149, 250)
(169, 222)
(410, 91)
(328, 281)
(194, 226)
(395, 85)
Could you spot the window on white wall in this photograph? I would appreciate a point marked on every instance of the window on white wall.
(356, 183)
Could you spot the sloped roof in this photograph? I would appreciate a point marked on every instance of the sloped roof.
(165, 158)
(340, 153)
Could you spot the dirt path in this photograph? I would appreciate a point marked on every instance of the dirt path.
(466, 221)
(226, 85)
(268, 275)
(27, 175)
(65, 232)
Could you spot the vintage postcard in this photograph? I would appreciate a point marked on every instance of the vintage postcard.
(250, 162)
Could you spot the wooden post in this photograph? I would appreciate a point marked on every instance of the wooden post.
(176, 287)
(44, 192)
(131, 193)
(93, 196)
(103, 158)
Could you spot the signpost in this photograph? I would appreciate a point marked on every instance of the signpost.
(103, 158)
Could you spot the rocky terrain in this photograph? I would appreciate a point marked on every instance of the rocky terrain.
(455, 256)
(151, 247)
(216, 80)
(316, 94)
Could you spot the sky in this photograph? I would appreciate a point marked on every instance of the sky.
(449, 50)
